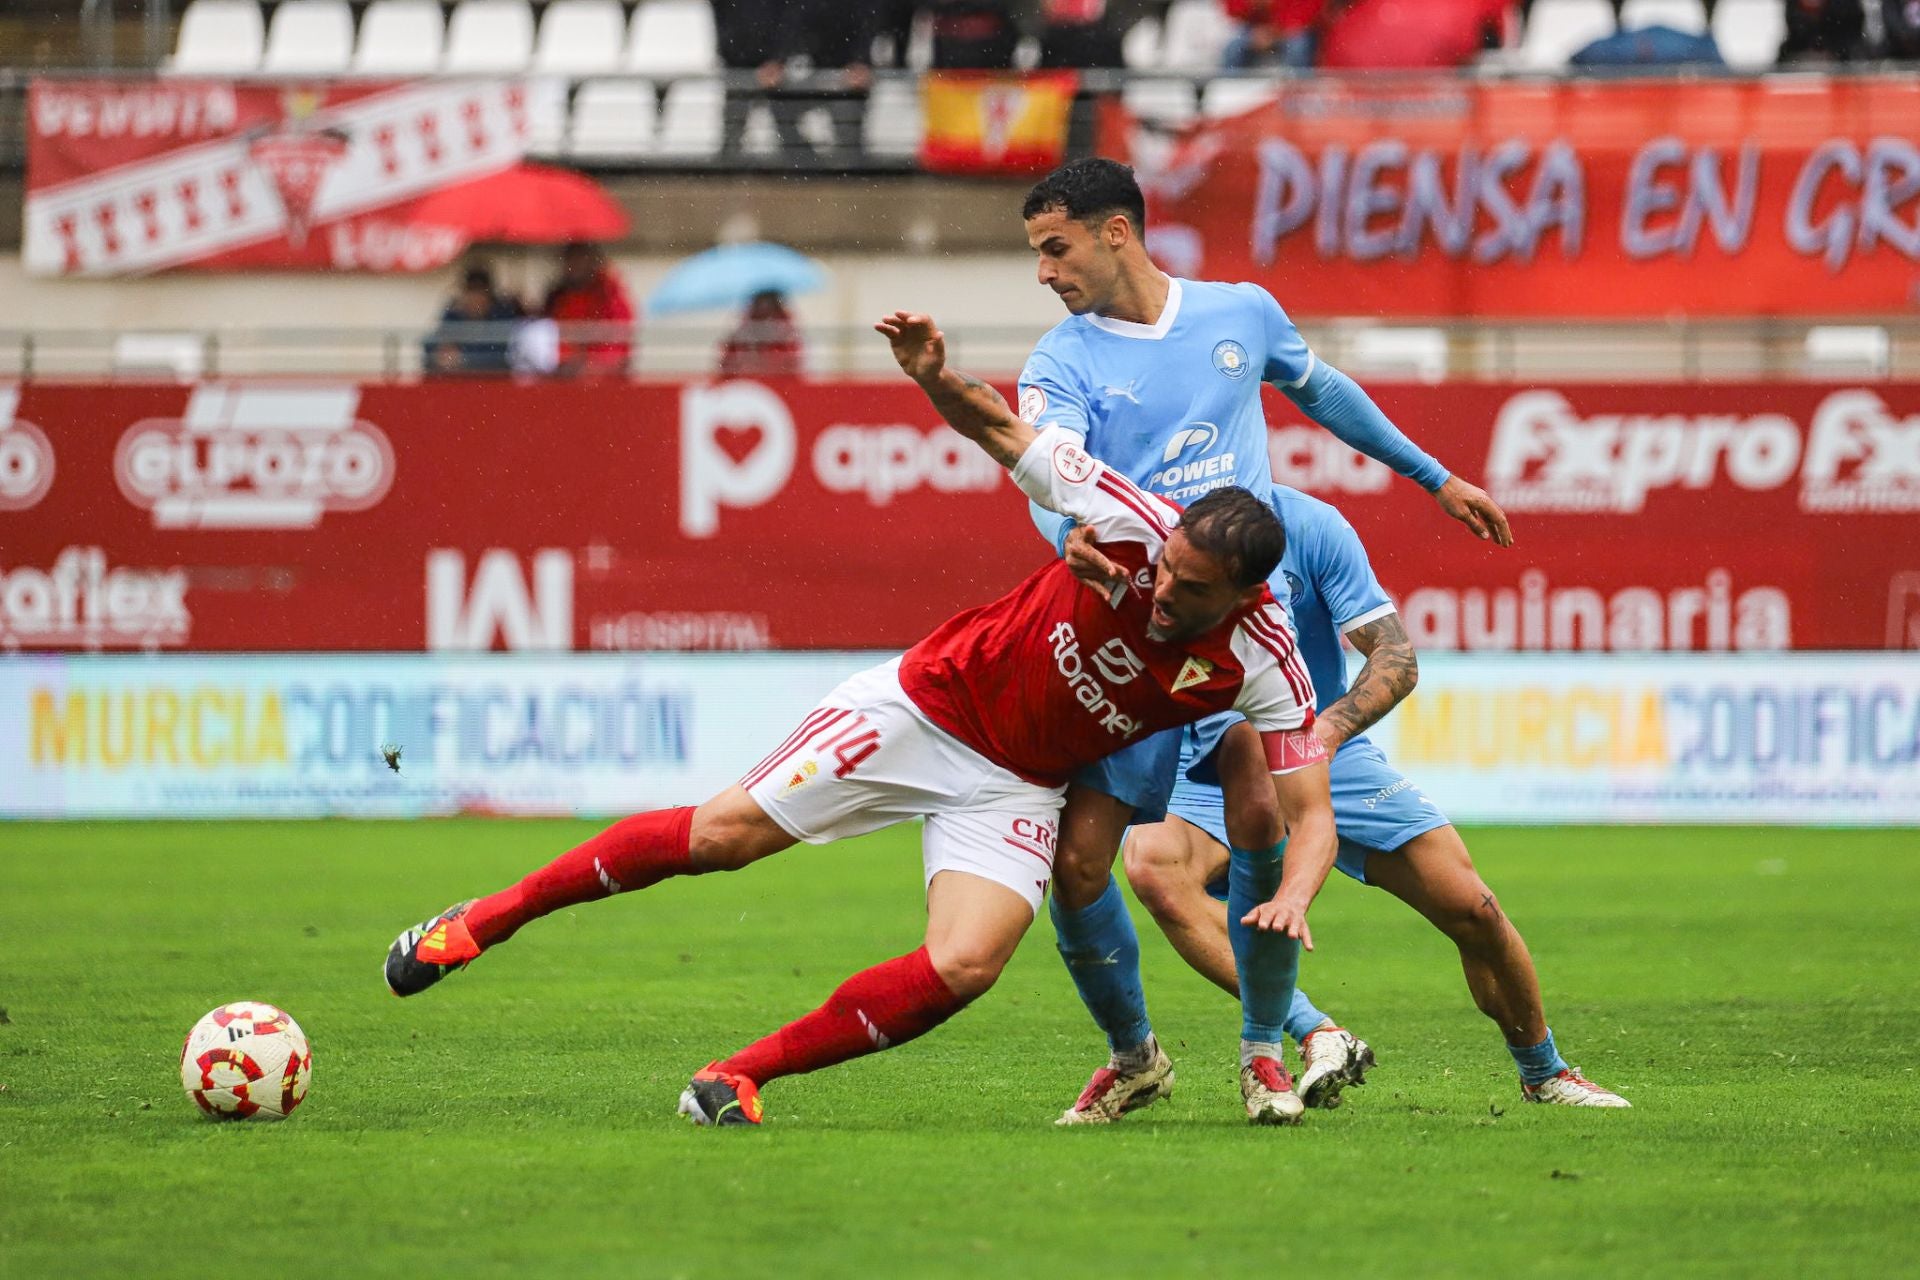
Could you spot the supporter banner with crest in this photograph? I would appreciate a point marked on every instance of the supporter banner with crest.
(129, 177)
(466, 515)
(1432, 197)
(992, 122)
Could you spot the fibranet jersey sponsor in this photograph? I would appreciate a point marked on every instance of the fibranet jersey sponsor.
(1053, 676)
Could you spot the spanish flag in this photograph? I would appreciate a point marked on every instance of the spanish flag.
(995, 122)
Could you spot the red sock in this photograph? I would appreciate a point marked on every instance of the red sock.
(631, 854)
(875, 1009)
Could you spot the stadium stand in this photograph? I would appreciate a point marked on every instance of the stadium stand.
(672, 38)
(613, 120)
(580, 38)
(220, 37)
(309, 37)
(489, 36)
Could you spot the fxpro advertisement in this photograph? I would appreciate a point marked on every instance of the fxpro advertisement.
(1781, 738)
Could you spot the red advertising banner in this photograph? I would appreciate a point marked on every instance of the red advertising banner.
(1627, 198)
(127, 177)
(744, 514)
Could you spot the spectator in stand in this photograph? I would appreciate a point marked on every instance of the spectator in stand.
(1412, 33)
(1900, 25)
(972, 35)
(752, 35)
(589, 291)
(1273, 33)
(1824, 31)
(1078, 33)
(830, 36)
(475, 330)
(767, 342)
(1526, 10)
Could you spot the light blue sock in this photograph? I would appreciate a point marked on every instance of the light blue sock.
(1102, 952)
(1269, 963)
(1303, 1017)
(1538, 1062)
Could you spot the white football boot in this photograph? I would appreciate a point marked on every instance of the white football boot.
(1571, 1089)
(1268, 1092)
(1116, 1090)
(1334, 1058)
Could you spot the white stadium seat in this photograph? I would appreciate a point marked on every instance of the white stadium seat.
(580, 38)
(613, 119)
(400, 37)
(1558, 29)
(893, 117)
(1166, 102)
(1230, 95)
(309, 36)
(1197, 32)
(672, 38)
(220, 37)
(489, 36)
(179, 356)
(1140, 47)
(1393, 350)
(1681, 15)
(691, 118)
(1848, 350)
(1749, 32)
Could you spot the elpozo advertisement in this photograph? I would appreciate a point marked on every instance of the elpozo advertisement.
(1823, 739)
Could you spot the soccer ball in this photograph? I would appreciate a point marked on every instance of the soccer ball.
(246, 1061)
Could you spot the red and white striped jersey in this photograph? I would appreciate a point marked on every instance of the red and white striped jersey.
(1053, 676)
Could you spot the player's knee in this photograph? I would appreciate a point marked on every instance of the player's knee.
(1253, 819)
(967, 970)
(1079, 877)
(1160, 882)
(1476, 919)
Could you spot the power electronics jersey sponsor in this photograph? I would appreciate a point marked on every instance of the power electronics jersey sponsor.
(1173, 405)
(1053, 676)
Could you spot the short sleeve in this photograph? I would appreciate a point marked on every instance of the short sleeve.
(1060, 475)
(1288, 362)
(1352, 594)
(1276, 693)
(1049, 397)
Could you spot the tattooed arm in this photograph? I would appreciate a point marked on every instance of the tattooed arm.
(970, 406)
(1389, 674)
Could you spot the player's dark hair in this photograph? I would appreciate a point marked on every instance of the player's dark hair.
(1240, 531)
(1090, 191)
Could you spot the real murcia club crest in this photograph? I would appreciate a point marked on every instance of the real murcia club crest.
(1192, 672)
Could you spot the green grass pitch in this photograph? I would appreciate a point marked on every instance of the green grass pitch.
(1751, 991)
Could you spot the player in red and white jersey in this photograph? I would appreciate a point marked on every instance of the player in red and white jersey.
(977, 729)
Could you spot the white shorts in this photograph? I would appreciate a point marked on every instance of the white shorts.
(866, 758)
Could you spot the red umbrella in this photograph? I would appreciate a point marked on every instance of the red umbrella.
(528, 204)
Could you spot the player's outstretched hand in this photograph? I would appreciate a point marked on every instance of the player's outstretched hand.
(1090, 564)
(918, 345)
(1281, 916)
(1472, 507)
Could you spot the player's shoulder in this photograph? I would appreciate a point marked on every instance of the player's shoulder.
(1234, 294)
(1303, 511)
(1059, 350)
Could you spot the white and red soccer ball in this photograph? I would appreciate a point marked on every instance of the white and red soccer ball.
(246, 1061)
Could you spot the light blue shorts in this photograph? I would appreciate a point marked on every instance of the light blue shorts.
(1375, 808)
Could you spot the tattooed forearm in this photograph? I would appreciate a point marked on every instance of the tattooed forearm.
(1390, 672)
(979, 412)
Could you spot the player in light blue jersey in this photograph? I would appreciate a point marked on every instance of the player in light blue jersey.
(1162, 376)
(1390, 835)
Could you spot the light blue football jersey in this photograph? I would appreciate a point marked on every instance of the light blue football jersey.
(1326, 583)
(1175, 405)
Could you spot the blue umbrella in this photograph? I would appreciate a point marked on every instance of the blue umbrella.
(732, 274)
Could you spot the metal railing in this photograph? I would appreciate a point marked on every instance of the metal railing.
(726, 121)
(1468, 351)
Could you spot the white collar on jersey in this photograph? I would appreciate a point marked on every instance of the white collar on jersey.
(1133, 329)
